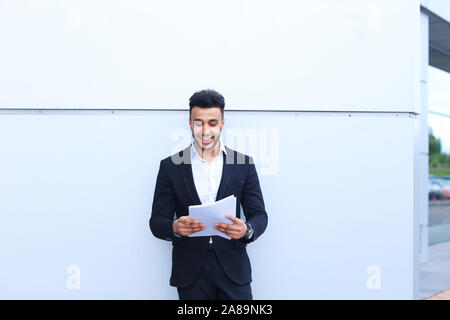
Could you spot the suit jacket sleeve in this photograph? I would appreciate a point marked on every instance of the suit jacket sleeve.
(253, 204)
(163, 208)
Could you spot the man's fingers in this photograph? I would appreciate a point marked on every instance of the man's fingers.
(227, 230)
(227, 226)
(184, 219)
(232, 218)
(187, 219)
(193, 227)
(193, 224)
(233, 234)
(197, 225)
(185, 231)
(233, 230)
(189, 227)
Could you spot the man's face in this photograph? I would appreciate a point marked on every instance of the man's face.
(206, 125)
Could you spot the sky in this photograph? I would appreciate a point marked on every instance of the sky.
(441, 7)
(439, 101)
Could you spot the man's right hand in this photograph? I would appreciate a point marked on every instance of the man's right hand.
(185, 226)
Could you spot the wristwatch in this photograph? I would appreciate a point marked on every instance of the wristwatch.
(249, 233)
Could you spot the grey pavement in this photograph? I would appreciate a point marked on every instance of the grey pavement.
(438, 212)
(435, 273)
(438, 233)
(438, 221)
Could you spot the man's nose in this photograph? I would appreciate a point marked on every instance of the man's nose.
(205, 129)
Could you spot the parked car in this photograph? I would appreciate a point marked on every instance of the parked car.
(434, 190)
(438, 189)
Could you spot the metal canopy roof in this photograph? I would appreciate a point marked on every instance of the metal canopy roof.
(439, 40)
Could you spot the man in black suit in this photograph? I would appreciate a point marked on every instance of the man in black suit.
(204, 172)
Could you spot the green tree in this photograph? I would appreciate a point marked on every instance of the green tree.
(434, 144)
(439, 163)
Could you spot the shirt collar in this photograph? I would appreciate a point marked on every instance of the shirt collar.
(222, 148)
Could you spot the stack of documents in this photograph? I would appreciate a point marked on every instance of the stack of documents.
(213, 213)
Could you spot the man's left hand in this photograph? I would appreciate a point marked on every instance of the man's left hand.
(237, 230)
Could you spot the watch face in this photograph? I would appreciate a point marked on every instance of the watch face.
(249, 230)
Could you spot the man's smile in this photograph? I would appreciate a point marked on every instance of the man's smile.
(207, 140)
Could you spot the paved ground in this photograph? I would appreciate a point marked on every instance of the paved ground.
(438, 233)
(439, 212)
(434, 276)
(440, 296)
(438, 221)
(435, 273)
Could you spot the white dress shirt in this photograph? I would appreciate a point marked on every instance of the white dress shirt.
(206, 175)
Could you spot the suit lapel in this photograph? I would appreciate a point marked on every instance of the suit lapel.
(226, 173)
(188, 178)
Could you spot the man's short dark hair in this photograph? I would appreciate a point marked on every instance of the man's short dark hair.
(206, 99)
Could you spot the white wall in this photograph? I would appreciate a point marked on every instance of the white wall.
(77, 190)
(421, 146)
(290, 54)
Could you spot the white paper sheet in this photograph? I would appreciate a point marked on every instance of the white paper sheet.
(212, 213)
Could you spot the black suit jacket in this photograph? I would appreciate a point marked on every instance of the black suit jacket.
(175, 191)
